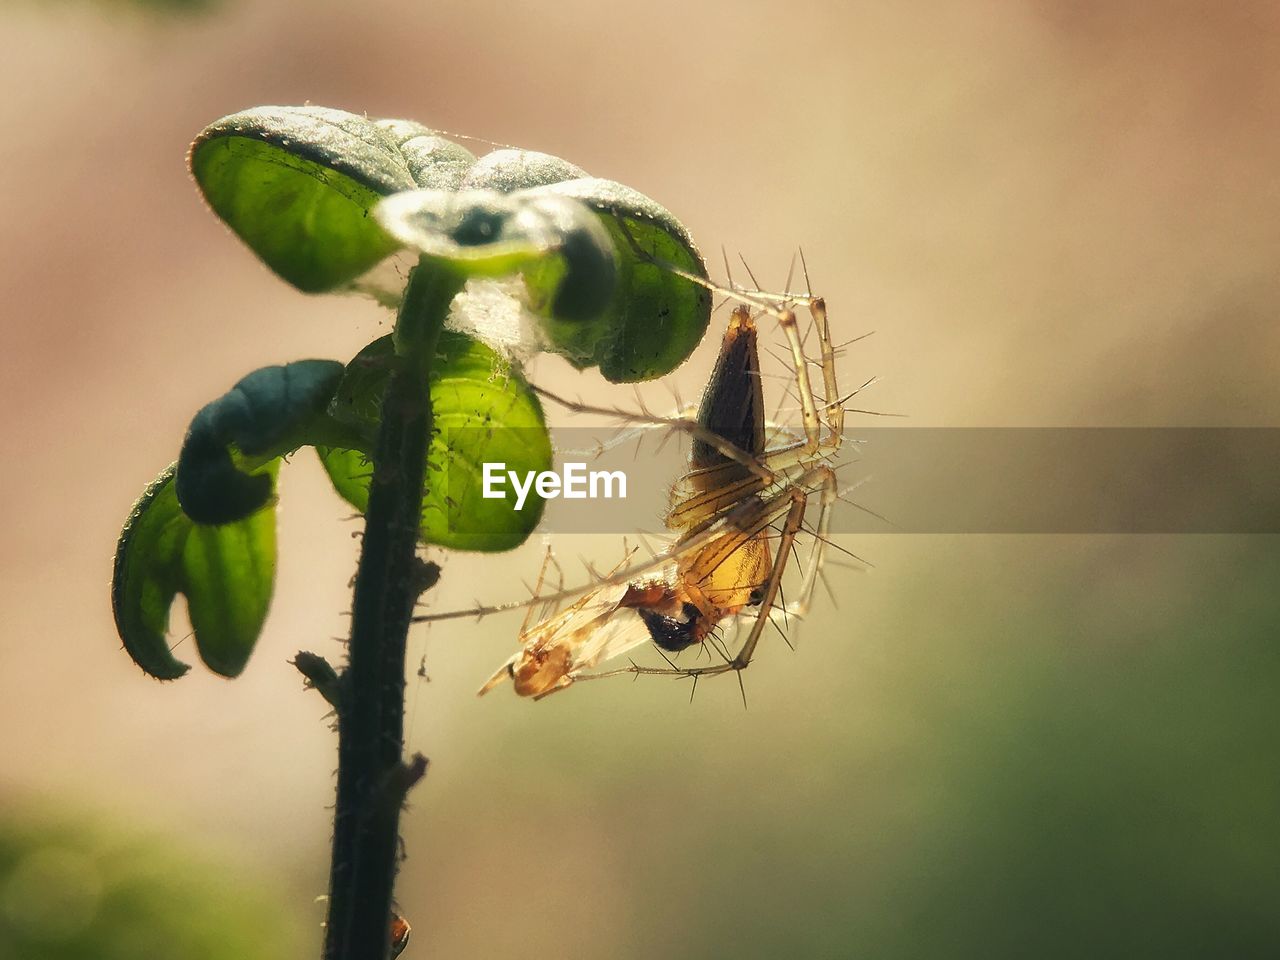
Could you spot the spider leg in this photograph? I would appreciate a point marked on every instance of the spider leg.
(828, 492)
(548, 559)
(726, 523)
(835, 409)
(684, 424)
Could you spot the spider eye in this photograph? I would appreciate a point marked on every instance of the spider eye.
(670, 633)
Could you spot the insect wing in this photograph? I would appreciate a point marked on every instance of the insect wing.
(551, 650)
(623, 631)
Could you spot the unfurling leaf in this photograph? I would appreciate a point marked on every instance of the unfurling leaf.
(265, 414)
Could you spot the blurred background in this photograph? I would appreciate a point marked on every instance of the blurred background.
(1052, 214)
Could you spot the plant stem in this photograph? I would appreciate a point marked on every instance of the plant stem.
(372, 777)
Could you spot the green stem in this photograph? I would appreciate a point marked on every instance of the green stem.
(372, 777)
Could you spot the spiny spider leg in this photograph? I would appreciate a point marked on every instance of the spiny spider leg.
(828, 492)
(727, 523)
(548, 559)
(778, 307)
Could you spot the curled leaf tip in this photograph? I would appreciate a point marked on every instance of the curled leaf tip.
(261, 416)
(142, 588)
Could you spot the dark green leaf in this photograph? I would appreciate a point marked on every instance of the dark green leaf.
(575, 283)
(483, 411)
(265, 414)
(226, 573)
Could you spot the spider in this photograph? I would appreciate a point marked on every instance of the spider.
(722, 566)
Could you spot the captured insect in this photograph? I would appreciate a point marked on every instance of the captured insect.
(735, 515)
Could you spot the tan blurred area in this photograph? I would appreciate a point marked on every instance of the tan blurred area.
(1051, 213)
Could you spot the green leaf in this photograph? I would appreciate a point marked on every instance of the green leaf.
(509, 170)
(265, 414)
(626, 313)
(297, 184)
(228, 578)
(656, 318)
(575, 284)
(227, 574)
(483, 411)
(434, 162)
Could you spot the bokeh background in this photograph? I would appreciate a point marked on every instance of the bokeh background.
(1053, 213)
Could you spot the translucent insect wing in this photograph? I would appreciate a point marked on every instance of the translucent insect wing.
(551, 650)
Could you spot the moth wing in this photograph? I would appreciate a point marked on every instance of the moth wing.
(575, 623)
(552, 649)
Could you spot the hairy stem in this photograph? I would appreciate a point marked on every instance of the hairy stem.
(372, 776)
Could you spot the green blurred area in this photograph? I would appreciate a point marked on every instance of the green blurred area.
(1077, 801)
(71, 889)
(992, 765)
